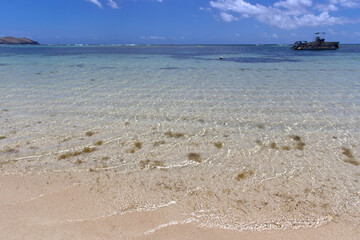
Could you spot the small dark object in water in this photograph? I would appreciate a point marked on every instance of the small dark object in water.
(318, 44)
(221, 58)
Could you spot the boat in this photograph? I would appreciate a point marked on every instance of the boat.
(318, 44)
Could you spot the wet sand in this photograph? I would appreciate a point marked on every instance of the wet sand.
(68, 206)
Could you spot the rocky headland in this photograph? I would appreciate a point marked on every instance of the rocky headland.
(13, 40)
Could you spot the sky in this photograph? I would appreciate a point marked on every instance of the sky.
(180, 21)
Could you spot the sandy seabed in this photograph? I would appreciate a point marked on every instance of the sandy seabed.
(62, 206)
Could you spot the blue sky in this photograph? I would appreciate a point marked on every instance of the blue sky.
(180, 21)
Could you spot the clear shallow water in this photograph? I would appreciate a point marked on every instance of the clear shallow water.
(266, 138)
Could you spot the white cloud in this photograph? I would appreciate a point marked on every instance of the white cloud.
(285, 14)
(346, 3)
(113, 4)
(227, 17)
(326, 7)
(96, 2)
(291, 4)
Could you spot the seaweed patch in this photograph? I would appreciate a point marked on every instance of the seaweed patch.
(77, 153)
(244, 175)
(299, 143)
(88, 149)
(273, 145)
(295, 137)
(260, 143)
(78, 162)
(10, 150)
(194, 157)
(144, 163)
(158, 143)
(138, 145)
(173, 135)
(218, 145)
(287, 148)
(130, 150)
(89, 133)
(350, 156)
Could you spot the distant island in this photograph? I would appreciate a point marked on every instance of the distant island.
(13, 40)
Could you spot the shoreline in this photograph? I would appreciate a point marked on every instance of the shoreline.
(60, 206)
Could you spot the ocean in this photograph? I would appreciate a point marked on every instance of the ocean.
(266, 138)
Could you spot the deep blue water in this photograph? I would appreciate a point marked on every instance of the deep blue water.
(253, 54)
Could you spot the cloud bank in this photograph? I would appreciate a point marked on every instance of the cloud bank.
(286, 14)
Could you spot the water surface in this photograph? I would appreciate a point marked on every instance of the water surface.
(265, 138)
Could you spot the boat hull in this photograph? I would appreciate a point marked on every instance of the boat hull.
(319, 44)
(316, 49)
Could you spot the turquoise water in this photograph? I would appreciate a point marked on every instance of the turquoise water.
(265, 138)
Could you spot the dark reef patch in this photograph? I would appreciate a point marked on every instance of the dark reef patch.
(256, 60)
(103, 68)
(169, 68)
(77, 65)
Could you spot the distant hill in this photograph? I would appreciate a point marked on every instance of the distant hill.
(12, 40)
